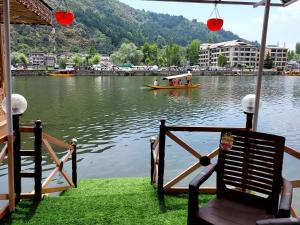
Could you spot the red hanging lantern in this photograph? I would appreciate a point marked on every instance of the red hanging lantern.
(64, 17)
(215, 24)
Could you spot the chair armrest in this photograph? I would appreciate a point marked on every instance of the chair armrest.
(285, 204)
(280, 221)
(193, 204)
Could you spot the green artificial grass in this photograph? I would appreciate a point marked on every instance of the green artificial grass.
(105, 201)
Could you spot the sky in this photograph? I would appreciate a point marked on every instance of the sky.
(245, 21)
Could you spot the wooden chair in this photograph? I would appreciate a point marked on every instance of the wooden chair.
(280, 221)
(249, 181)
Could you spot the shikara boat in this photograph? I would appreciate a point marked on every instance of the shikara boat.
(62, 73)
(175, 82)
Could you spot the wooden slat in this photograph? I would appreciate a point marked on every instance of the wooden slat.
(56, 141)
(3, 153)
(182, 175)
(250, 171)
(179, 190)
(183, 145)
(51, 152)
(254, 146)
(248, 176)
(295, 183)
(55, 189)
(3, 139)
(213, 153)
(3, 197)
(67, 177)
(197, 129)
(27, 195)
(292, 152)
(27, 153)
(27, 129)
(50, 177)
(250, 187)
(4, 210)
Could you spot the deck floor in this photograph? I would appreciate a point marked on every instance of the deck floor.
(105, 201)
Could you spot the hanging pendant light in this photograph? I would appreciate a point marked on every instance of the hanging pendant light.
(216, 23)
(64, 17)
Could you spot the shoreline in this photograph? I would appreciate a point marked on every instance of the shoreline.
(143, 73)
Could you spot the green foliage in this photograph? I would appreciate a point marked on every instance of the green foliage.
(23, 58)
(77, 60)
(193, 51)
(298, 48)
(15, 58)
(222, 60)
(96, 59)
(62, 63)
(127, 53)
(174, 55)
(125, 201)
(105, 25)
(268, 63)
(150, 52)
(291, 55)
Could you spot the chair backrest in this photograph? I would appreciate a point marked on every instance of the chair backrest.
(249, 167)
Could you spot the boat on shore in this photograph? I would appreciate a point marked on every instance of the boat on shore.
(62, 73)
(175, 82)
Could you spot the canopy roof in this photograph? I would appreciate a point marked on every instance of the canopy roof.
(28, 12)
(177, 76)
(253, 3)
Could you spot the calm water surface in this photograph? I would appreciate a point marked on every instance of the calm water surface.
(114, 117)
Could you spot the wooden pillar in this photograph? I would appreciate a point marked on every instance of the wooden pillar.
(38, 161)
(17, 157)
(74, 163)
(161, 149)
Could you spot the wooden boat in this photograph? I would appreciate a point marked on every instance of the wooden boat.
(175, 82)
(63, 73)
(172, 87)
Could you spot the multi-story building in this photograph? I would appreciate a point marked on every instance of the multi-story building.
(278, 55)
(50, 60)
(37, 58)
(237, 53)
(240, 53)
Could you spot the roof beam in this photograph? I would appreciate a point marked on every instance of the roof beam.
(289, 2)
(220, 2)
(262, 2)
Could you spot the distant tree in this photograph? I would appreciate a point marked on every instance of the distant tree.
(93, 51)
(222, 60)
(24, 59)
(193, 51)
(77, 60)
(24, 48)
(62, 63)
(268, 64)
(96, 59)
(150, 52)
(75, 49)
(291, 55)
(174, 55)
(298, 48)
(127, 53)
(15, 58)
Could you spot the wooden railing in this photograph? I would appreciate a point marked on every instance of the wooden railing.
(158, 159)
(44, 142)
(3, 197)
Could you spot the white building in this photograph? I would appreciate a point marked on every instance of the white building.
(237, 53)
(278, 55)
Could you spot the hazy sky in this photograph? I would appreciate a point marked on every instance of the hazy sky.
(245, 21)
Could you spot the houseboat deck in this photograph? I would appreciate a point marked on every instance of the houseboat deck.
(105, 201)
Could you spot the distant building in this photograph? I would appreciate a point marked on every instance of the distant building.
(278, 54)
(237, 53)
(37, 59)
(50, 61)
(240, 53)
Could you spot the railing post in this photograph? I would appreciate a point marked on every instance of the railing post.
(38, 161)
(152, 140)
(161, 149)
(74, 162)
(17, 157)
(249, 120)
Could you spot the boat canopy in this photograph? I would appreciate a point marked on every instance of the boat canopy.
(177, 76)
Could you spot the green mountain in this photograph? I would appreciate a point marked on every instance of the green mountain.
(105, 24)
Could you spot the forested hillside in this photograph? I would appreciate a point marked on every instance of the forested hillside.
(105, 24)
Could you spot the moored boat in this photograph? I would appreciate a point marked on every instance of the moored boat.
(63, 73)
(175, 82)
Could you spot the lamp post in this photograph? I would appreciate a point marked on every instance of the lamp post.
(248, 105)
(19, 106)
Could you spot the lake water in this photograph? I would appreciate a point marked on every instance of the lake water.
(114, 117)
